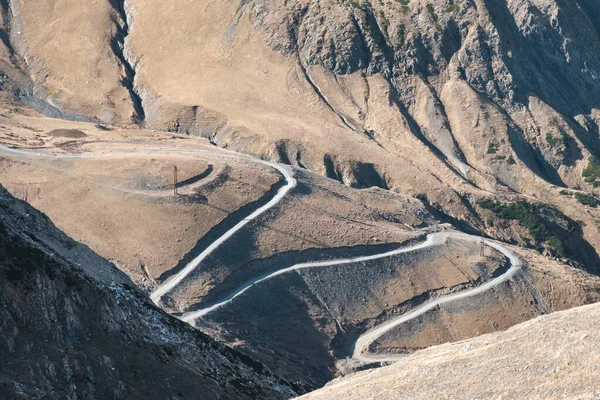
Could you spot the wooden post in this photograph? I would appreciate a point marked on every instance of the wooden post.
(175, 180)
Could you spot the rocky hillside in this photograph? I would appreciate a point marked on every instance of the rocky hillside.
(72, 326)
(552, 357)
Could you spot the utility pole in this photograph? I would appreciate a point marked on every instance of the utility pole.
(482, 249)
(175, 180)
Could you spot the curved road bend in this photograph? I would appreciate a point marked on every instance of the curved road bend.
(174, 280)
(363, 342)
(370, 336)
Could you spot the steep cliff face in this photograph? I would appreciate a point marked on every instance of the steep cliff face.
(72, 326)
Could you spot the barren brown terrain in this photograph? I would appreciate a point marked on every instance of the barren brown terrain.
(116, 196)
(342, 166)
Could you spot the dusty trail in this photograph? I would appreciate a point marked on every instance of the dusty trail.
(362, 344)
(174, 280)
(370, 336)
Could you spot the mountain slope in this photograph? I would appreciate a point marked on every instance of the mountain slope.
(478, 114)
(116, 183)
(551, 357)
(71, 325)
(446, 101)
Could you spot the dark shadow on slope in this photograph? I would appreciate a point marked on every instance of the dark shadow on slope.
(440, 215)
(246, 269)
(196, 178)
(533, 158)
(283, 327)
(217, 231)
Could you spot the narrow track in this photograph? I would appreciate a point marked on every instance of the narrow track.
(361, 352)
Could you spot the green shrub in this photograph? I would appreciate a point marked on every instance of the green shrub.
(557, 247)
(511, 160)
(554, 140)
(525, 214)
(528, 216)
(489, 204)
(592, 171)
(434, 16)
(402, 34)
(454, 8)
(586, 199)
(492, 148)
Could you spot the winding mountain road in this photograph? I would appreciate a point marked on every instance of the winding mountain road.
(364, 341)
(173, 281)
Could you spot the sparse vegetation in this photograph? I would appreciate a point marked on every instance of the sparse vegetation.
(587, 200)
(402, 34)
(492, 148)
(453, 8)
(528, 216)
(434, 16)
(556, 246)
(385, 23)
(554, 141)
(592, 172)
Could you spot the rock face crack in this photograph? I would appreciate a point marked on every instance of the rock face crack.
(6, 28)
(117, 43)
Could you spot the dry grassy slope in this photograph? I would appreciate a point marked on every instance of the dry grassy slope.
(551, 357)
(403, 96)
(146, 230)
(110, 206)
(122, 207)
(327, 308)
(540, 290)
(260, 105)
(303, 324)
(66, 49)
